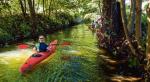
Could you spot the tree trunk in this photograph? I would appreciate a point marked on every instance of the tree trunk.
(107, 14)
(38, 4)
(124, 20)
(22, 8)
(100, 6)
(25, 6)
(33, 17)
(33, 4)
(131, 18)
(49, 10)
(138, 20)
(106, 20)
(117, 25)
(43, 7)
(148, 43)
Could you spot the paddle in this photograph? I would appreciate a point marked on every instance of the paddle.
(65, 44)
(25, 46)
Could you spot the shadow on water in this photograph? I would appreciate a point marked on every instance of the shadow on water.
(74, 63)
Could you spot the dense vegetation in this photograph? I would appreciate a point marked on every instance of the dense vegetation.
(124, 32)
(124, 29)
(22, 18)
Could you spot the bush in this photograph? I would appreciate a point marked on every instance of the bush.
(25, 29)
(15, 27)
(5, 37)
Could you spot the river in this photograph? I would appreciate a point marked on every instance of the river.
(74, 63)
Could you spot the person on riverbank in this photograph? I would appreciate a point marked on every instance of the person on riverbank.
(41, 46)
(96, 24)
(93, 24)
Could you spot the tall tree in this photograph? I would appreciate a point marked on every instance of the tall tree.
(50, 8)
(124, 20)
(32, 16)
(138, 20)
(131, 18)
(23, 7)
(148, 42)
(38, 5)
(44, 7)
(107, 13)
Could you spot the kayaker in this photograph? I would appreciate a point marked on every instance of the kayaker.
(41, 46)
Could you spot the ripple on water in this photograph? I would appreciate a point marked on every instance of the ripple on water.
(12, 57)
(3, 61)
(15, 53)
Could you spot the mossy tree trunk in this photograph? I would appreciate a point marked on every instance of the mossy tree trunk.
(107, 13)
(106, 17)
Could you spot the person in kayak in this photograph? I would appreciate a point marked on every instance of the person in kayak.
(40, 47)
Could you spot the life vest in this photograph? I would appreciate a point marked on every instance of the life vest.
(41, 47)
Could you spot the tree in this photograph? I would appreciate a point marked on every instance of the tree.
(32, 16)
(124, 20)
(107, 13)
(43, 7)
(138, 20)
(23, 7)
(131, 18)
(148, 42)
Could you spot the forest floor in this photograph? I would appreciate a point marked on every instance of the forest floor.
(111, 69)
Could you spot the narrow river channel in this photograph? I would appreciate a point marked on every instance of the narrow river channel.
(74, 63)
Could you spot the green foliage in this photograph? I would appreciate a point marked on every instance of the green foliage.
(145, 6)
(16, 26)
(133, 62)
(5, 37)
(56, 15)
(65, 18)
(144, 20)
(25, 29)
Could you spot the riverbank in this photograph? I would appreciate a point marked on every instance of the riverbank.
(116, 70)
(15, 28)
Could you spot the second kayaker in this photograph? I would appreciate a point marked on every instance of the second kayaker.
(40, 47)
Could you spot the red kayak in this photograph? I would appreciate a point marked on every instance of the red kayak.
(32, 60)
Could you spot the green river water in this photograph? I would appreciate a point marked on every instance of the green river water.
(80, 64)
